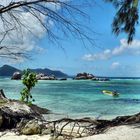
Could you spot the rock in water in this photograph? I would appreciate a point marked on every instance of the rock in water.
(83, 76)
(42, 76)
(63, 79)
(16, 76)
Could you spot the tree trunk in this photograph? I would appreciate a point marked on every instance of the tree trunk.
(2, 96)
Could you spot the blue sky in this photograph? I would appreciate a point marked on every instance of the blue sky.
(111, 56)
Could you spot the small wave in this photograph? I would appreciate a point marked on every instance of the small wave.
(129, 100)
(119, 79)
(122, 100)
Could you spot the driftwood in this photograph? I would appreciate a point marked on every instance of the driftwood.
(75, 128)
(13, 112)
(71, 128)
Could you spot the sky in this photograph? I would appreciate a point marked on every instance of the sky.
(108, 56)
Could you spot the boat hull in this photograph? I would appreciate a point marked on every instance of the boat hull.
(110, 93)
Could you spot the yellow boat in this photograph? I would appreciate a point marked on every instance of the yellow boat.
(111, 93)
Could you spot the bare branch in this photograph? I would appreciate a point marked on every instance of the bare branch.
(60, 13)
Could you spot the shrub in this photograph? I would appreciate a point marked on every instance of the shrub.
(29, 80)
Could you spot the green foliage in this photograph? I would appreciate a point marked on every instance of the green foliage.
(126, 17)
(29, 80)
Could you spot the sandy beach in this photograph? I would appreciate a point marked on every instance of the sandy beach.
(131, 132)
(118, 133)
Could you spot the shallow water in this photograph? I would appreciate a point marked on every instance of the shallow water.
(82, 98)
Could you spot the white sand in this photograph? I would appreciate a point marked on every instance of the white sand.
(115, 133)
(13, 136)
(118, 133)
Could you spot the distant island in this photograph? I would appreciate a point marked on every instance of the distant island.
(7, 70)
(48, 74)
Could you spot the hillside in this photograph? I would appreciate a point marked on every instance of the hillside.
(7, 70)
(49, 72)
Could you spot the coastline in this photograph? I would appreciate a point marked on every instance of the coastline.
(104, 126)
(88, 96)
(124, 132)
(53, 116)
(37, 128)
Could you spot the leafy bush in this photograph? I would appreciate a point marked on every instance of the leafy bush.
(29, 80)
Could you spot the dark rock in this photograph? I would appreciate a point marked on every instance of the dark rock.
(100, 79)
(95, 79)
(39, 110)
(84, 76)
(63, 79)
(13, 111)
(104, 79)
(16, 76)
(121, 120)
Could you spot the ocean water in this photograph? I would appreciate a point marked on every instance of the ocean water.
(74, 98)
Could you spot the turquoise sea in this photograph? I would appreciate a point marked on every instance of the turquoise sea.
(81, 98)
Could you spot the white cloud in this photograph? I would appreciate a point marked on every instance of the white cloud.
(115, 65)
(133, 48)
(104, 55)
(22, 40)
(124, 48)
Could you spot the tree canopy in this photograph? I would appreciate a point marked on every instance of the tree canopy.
(126, 18)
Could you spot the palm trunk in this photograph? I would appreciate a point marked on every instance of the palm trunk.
(27, 98)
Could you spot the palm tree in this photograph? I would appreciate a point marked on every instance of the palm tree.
(126, 17)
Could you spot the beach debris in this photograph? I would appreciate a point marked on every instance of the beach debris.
(76, 128)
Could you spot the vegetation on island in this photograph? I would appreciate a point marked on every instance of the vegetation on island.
(29, 81)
